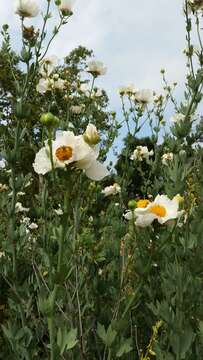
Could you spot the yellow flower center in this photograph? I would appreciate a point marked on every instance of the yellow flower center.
(64, 153)
(158, 210)
(143, 203)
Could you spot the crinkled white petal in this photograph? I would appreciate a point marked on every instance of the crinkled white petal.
(96, 171)
(42, 163)
(145, 220)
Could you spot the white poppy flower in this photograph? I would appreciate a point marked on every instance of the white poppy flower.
(141, 152)
(66, 7)
(144, 96)
(167, 158)
(26, 8)
(43, 86)
(96, 68)
(162, 208)
(48, 65)
(59, 84)
(111, 190)
(70, 149)
(84, 88)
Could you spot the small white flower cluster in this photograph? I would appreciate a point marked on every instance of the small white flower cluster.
(141, 152)
(167, 158)
(49, 80)
(78, 151)
(161, 209)
(111, 190)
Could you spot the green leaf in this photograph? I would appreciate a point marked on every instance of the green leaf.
(110, 336)
(101, 332)
(125, 348)
(71, 339)
(66, 340)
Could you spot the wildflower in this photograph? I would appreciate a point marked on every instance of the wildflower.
(96, 68)
(111, 190)
(26, 8)
(43, 85)
(127, 90)
(70, 149)
(19, 208)
(141, 152)
(66, 7)
(48, 65)
(21, 193)
(25, 220)
(166, 158)
(84, 88)
(77, 109)
(3, 163)
(91, 135)
(59, 84)
(58, 211)
(178, 118)
(3, 187)
(144, 96)
(33, 226)
(162, 209)
(195, 5)
(97, 92)
(2, 254)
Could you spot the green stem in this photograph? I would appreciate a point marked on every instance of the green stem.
(51, 155)
(50, 319)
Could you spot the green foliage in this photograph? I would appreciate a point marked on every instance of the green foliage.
(78, 279)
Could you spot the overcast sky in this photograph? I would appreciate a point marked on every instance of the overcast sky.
(134, 38)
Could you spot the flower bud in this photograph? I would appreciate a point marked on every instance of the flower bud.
(132, 204)
(91, 135)
(49, 120)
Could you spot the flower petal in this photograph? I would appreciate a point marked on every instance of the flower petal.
(96, 171)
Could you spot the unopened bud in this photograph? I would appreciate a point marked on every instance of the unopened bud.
(91, 135)
(49, 120)
(132, 204)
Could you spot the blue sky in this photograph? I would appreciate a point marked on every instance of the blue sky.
(134, 38)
